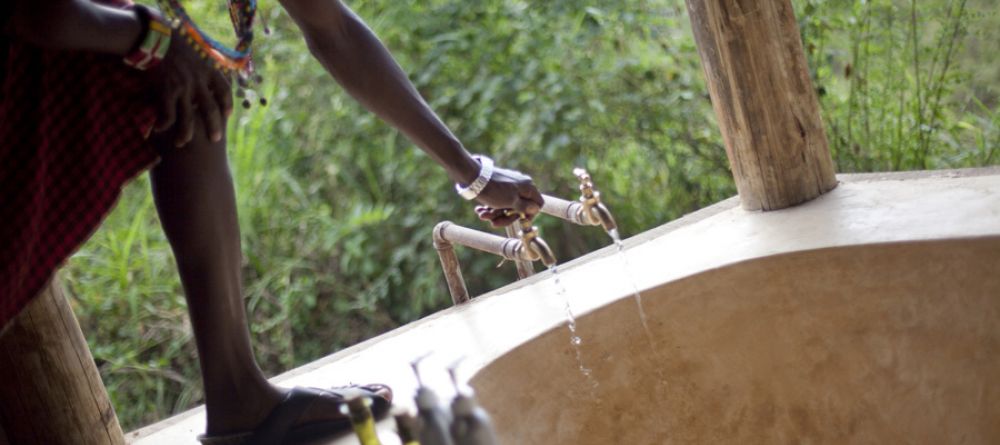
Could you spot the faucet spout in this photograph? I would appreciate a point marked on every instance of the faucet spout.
(535, 247)
(588, 211)
(541, 249)
(603, 216)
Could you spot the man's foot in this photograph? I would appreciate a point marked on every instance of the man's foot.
(303, 413)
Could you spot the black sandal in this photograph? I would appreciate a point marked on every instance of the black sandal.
(279, 426)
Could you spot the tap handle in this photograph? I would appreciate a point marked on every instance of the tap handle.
(594, 211)
(526, 229)
(525, 223)
(586, 184)
(533, 243)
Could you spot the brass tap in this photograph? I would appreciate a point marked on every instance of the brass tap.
(594, 212)
(535, 247)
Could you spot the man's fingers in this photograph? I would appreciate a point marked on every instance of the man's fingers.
(184, 130)
(497, 217)
(210, 113)
(485, 213)
(488, 213)
(504, 220)
(168, 112)
(223, 93)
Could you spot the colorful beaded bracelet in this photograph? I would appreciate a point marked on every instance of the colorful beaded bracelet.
(236, 61)
(154, 42)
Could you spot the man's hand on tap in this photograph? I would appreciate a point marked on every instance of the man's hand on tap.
(508, 194)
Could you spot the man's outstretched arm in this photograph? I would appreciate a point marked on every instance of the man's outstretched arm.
(356, 58)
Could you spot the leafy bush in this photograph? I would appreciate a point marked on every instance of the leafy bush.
(902, 94)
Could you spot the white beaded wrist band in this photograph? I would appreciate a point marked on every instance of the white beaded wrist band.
(473, 190)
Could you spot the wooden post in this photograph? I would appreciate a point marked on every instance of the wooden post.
(50, 390)
(768, 112)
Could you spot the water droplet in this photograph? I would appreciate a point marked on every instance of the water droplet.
(613, 233)
(574, 339)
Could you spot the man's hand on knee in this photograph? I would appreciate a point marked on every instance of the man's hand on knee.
(190, 89)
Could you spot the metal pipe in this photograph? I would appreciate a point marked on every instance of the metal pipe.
(567, 210)
(529, 248)
(449, 263)
(577, 212)
(486, 242)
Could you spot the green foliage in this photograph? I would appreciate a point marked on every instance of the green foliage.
(902, 94)
(336, 209)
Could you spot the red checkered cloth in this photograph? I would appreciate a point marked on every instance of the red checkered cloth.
(72, 131)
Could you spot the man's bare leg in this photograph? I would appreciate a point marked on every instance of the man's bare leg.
(196, 202)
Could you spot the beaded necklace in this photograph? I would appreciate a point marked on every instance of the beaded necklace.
(236, 61)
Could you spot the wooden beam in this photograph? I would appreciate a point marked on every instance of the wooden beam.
(767, 110)
(50, 390)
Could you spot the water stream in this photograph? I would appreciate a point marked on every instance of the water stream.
(574, 339)
(627, 268)
(637, 296)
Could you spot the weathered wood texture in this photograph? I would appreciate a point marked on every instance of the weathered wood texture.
(760, 88)
(50, 390)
